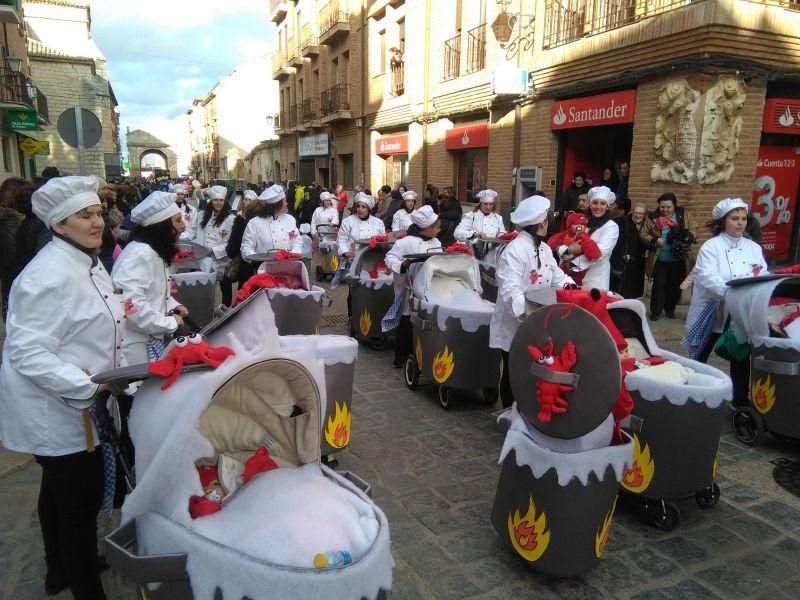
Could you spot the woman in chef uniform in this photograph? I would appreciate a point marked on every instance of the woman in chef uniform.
(401, 220)
(64, 324)
(483, 222)
(360, 226)
(526, 263)
(273, 228)
(141, 273)
(325, 214)
(188, 212)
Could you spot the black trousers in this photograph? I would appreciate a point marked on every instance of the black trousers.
(404, 344)
(226, 287)
(70, 496)
(506, 395)
(667, 279)
(739, 372)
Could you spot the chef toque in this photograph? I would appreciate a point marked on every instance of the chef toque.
(250, 195)
(410, 195)
(217, 191)
(423, 217)
(273, 194)
(725, 206)
(366, 199)
(601, 192)
(325, 196)
(61, 197)
(531, 211)
(157, 207)
(488, 196)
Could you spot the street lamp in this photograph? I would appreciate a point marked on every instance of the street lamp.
(503, 25)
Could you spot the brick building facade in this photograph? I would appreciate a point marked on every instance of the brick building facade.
(696, 77)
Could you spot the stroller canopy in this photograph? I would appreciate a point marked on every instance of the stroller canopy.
(447, 279)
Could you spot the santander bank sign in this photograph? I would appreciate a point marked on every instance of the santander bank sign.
(590, 111)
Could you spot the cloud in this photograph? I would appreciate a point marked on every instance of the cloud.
(164, 53)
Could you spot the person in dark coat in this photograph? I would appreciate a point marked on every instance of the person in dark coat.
(431, 197)
(395, 203)
(247, 210)
(10, 219)
(569, 201)
(450, 214)
(628, 257)
(32, 235)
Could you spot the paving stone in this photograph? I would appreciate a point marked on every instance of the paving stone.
(689, 589)
(651, 563)
(740, 493)
(682, 550)
(779, 513)
(751, 528)
(718, 539)
(731, 579)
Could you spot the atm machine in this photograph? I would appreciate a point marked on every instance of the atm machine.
(525, 181)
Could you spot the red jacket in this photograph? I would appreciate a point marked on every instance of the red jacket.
(342, 204)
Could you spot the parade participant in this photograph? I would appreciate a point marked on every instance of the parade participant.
(211, 230)
(326, 214)
(401, 220)
(360, 226)
(64, 324)
(421, 239)
(272, 228)
(188, 212)
(141, 273)
(238, 269)
(604, 232)
(484, 220)
(727, 255)
(527, 262)
(394, 204)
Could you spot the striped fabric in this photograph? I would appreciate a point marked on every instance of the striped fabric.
(697, 337)
(392, 317)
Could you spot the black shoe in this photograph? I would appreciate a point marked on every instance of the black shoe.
(670, 315)
(54, 584)
(654, 317)
(397, 363)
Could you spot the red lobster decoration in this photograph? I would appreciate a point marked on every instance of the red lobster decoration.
(183, 254)
(508, 235)
(548, 394)
(284, 255)
(263, 281)
(188, 350)
(377, 239)
(459, 247)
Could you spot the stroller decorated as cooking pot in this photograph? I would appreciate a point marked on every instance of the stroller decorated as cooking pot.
(488, 252)
(326, 241)
(195, 281)
(765, 312)
(371, 292)
(450, 328)
(230, 499)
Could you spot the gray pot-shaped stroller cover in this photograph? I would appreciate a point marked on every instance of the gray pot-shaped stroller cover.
(328, 247)
(262, 542)
(195, 281)
(371, 291)
(488, 254)
(450, 323)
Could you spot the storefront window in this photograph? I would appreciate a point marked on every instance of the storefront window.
(396, 169)
(473, 169)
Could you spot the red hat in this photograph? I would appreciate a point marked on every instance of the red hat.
(576, 218)
(208, 474)
(595, 302)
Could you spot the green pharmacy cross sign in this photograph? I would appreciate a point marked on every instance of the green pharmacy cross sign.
(22, 120)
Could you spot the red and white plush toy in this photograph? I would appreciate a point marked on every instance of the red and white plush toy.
(548, 394)
(187, 350)
(576, 231)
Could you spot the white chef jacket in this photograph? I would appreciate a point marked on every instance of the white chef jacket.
(143, 278)
(215, 238)
(474, 223)
(324, 216)
(63, 320)
(598, 274)
(189, 216)
(401, 220)
(520, 269)
(722, 258)
(353, 229)
(264, 234)
(411, 244)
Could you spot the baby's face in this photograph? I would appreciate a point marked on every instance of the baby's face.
(577, 228)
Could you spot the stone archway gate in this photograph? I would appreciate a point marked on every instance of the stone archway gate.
(140, 143)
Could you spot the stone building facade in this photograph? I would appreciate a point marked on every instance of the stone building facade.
(72, 72)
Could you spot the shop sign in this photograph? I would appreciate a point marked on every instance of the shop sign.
(22, 120)
(463, 138)
(591, 111)
(775, 197)
(313, 145)
(391, 144)
(31, 146)
(781, 115)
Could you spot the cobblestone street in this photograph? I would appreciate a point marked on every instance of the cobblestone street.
(434, 473)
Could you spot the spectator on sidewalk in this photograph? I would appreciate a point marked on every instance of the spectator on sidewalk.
(341, 201)
(431, 196)
(628, 258)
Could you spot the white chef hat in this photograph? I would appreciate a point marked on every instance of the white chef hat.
(531, 211)
(424, 217)
(325, 196)
(179, 188)
(157, 207)
(488, 196)
(601, 192)
(273, 194)
(366, 199)
(250, 195)
(409, 195)
(217, 191)
(61, 197)
(725, 206)
(195, 183)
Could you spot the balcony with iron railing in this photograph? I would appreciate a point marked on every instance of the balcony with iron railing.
(476, 49)
(293, 56)
(309, 41)
(335, 103)
(334, 22)
(14, 88)
(292, 120)
(452, 58)
(566, 21)
(280, 66)
(281, 122)
(278, 10)
(310, 112)
(41, 106)
(397, 70)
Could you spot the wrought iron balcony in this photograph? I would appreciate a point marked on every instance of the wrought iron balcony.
(334, 22)
(293, 56)
(476, 49)
(452, 58)
(15, 88)
(335, 103)
(398, 75)
(310, 110)
(41, 106)
(292, 121)
(309, 41)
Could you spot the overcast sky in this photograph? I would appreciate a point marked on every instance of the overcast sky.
(164, 53)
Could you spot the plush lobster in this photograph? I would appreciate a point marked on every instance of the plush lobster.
(263, 281)
(379, 269)
(377, 239)
(188, 350)
(548, 394)
(459, 247)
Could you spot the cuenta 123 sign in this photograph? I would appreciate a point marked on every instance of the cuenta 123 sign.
(590, 111)
(775, 197)
(22, 119)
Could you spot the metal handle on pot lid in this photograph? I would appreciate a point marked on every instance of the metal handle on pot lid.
(423, 324)
(141, 569)
(775, 367)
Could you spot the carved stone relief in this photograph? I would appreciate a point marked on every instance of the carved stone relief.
(676, 134)
(722, 125)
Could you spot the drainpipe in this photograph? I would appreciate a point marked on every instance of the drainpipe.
(364, 80)
(426, 91)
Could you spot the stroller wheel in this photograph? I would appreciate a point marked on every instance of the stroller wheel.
(411, 373)
(319, 273)
(444, 396)
(662, 515)
(378, 343)
(490, 395)
(707, 497)
(748, 426)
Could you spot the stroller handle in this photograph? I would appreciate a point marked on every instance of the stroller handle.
(776, 367)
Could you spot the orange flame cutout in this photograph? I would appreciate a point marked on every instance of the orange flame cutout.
(334, 263)
(601, 537)
(337, 432)
(714, 467)
(418, 351)
(638, 478)
(443, 365)
(365, 322)
(764, 394)
(529, 536)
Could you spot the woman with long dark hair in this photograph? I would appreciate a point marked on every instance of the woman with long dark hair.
(212, 230)
(142, 274)
(247, 210)
(272, 227)
(449, 212)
